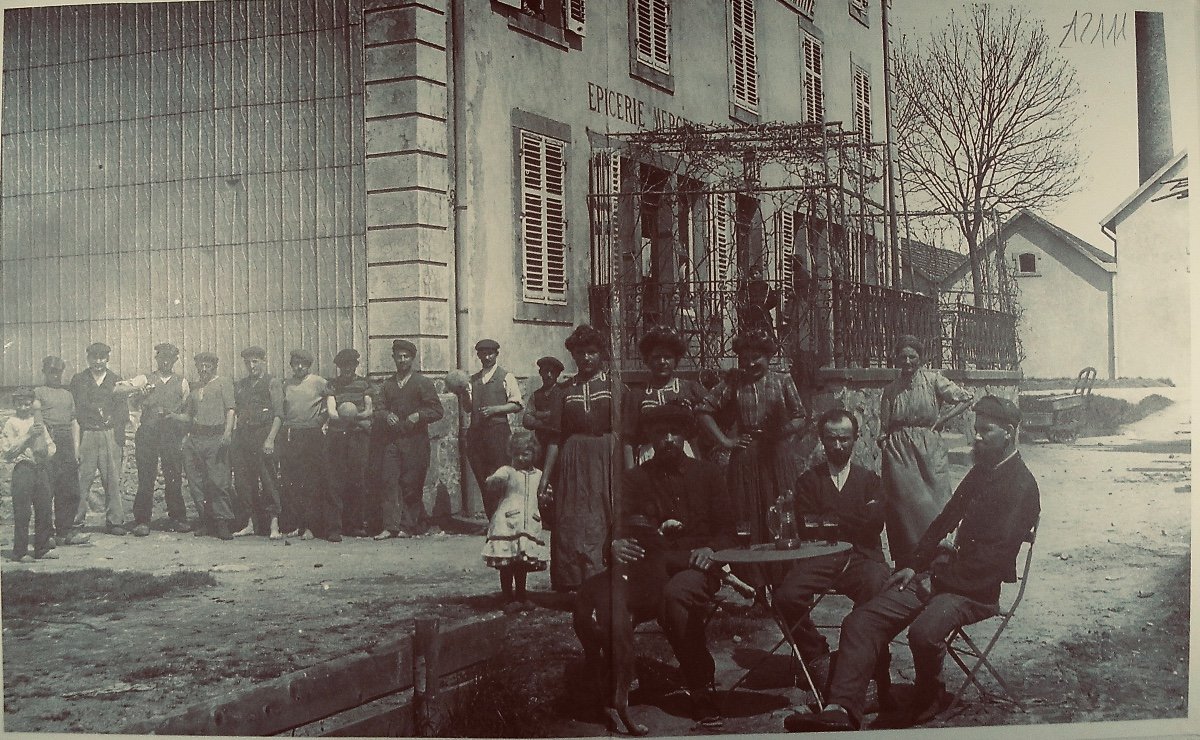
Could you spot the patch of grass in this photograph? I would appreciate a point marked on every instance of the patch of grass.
(90, 591)
(499, 704)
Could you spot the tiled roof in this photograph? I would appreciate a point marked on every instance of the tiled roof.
(934, 262)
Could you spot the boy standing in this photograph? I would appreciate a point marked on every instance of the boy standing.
(159, 437)
(102, 415)
(259, 400)
(408, 405)
(349, 441)
(541, 405)
(26, 442)
(490, 397)
(58, 414)
(206, 449)
(303, 464)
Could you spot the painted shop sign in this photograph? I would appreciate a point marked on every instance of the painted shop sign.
(629, 109)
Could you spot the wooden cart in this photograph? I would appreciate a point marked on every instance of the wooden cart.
(1058, 417)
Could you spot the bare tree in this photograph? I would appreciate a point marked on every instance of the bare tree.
(986, 118)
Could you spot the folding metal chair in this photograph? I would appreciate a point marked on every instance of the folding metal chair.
(959, 644)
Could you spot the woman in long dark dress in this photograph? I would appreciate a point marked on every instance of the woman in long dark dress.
(580, 459)
(916, 473)
(661, 348)
(756, 414)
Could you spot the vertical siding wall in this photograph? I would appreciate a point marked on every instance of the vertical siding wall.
(185, 172)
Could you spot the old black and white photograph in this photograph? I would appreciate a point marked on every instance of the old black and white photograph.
(594, 368)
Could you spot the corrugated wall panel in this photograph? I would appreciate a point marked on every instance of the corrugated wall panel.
(183, 171)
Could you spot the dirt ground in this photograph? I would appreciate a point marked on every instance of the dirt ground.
(1102, 634)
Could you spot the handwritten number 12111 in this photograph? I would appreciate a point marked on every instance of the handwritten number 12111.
(1087, 28)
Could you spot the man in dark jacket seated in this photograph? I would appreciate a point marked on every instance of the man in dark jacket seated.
(849, 494)
(671, 574)
(993, 509)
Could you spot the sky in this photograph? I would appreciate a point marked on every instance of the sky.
(1106, 75)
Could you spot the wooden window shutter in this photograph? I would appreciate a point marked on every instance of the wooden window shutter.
(862, 103)
(814, 92)
(720, 236)
(652, 19)
(543, 219)
(576, 11)
(605, 187)
(743, 55)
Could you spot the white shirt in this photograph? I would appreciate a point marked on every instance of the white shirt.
(839, 477)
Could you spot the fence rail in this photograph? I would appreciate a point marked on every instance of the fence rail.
(314, 700)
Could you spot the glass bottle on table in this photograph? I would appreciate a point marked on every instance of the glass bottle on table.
(781, 520)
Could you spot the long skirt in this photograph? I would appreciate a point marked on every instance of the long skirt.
(757, 476)
(581, 509)
(916, 482)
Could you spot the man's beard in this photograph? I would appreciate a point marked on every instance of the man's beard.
(985, 455)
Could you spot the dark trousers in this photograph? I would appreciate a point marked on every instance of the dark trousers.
(849, 573)
(152, 444)
(206, 461)
(487, 450)
(306, 502)
(254, 477)
(63, 474)
(405, 462)
(348, 451)
(680, 600)
(31, 497)
(868, 629)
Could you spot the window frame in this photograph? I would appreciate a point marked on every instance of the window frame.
(860, 11)
(551, 306)
(1019, 268)
(639, 68)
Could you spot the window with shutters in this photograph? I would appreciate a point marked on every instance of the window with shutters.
(862, 103)
(858, 11)
(719, 256)
(743, 59)
(549, 20)
(543, 225)
(650, 42)
(814, 90)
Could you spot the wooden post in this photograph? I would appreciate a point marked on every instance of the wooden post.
(426, 671)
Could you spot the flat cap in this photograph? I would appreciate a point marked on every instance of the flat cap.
(346, 357)
(550, 362)
(207, 357)
(98, 349)
(674, 415)
(403, 345)
(1000, 409)
(53, 363)
(302, 355)
(254, 352)
(166, 348)
(487, 345)
(22, 394)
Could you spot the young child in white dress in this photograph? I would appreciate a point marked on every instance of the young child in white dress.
(516, 542)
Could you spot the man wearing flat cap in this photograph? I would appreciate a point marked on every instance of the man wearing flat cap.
(258, 407)
(934, 591)
(489, 398)
(541, 405)
(675, 576)
(58, 413)
(209, 415)
(349, 441)
(103, 414)
(408, 404)
(303, 458)
(159, 437)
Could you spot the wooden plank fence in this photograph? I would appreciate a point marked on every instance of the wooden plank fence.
(358, 694)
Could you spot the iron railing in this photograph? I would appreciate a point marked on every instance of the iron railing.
(856, 325)
(868, 319)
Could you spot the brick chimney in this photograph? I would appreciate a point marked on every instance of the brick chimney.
(1153, 95)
